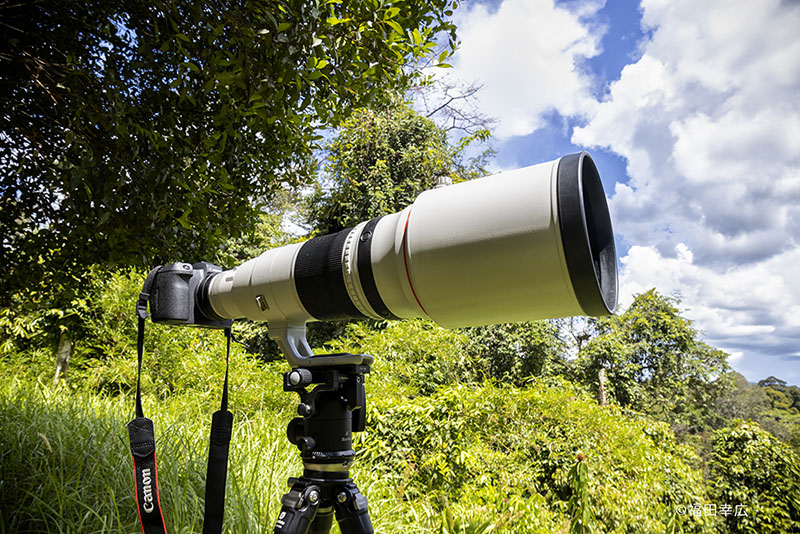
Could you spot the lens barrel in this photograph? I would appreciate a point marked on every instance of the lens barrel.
(522, 245)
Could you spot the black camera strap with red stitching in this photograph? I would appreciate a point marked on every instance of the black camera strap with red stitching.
(143, 445)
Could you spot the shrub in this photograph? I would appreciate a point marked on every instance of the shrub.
(753, 470)
(506, 453)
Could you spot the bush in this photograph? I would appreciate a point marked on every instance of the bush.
(753, 470)
(506, 453)
(411, 357)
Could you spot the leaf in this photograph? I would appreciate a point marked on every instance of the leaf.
(191, 66)
(333, 21)
(395, 26)
(183, 220)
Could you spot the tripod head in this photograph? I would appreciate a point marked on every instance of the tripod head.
(331, 411)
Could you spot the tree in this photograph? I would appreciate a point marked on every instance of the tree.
(142, 131)
(742, 401)
(514, 352)
(380, 160)
(453, 105)
(783, 396)
(655, 362)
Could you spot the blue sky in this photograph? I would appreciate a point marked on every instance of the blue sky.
(691, 111)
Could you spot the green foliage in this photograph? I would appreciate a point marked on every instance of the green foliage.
(778, 400)
(514, 352)
(66, 461)
(35, 317)
(781, 417)
(412, 357)
(381, 159)
(418, 356)
(444, 451)
(176, 358)
(67, 465)
(506, 453)
(144, 131)
(752, 469)
(267, 233)
(655, 362)
(454, 525)
(581, 515)
(782, 396)
(743, 400)
(758, 403)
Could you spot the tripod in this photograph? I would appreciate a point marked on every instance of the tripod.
(330, 413)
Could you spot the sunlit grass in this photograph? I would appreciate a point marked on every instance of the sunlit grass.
(66, 466)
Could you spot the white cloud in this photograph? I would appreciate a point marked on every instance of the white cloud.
(527, 54)
(709, 121)
(752, 311)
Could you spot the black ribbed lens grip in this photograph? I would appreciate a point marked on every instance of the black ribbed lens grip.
(319, 279)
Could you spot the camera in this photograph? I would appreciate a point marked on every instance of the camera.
(179, 296)
(528, 244)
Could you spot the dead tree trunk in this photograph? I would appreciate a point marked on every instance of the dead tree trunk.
(63, 353)
(601, 386)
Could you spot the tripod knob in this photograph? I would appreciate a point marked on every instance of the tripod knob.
(306, 443)
(298, 378)
(296, 434)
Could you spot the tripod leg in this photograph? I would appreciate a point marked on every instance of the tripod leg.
(322, 522)
(298, 510)
(351, 510)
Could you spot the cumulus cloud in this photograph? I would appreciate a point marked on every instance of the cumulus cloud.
(709, 121)
(527, 56)
(752, 311)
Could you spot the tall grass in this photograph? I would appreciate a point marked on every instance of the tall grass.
(66, 466)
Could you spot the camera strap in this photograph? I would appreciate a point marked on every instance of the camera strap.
(219, 442)
(143, 444)
(142, 435)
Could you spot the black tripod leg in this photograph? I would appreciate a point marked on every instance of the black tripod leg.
(322, 522)
(298, 510)
(351, 510)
